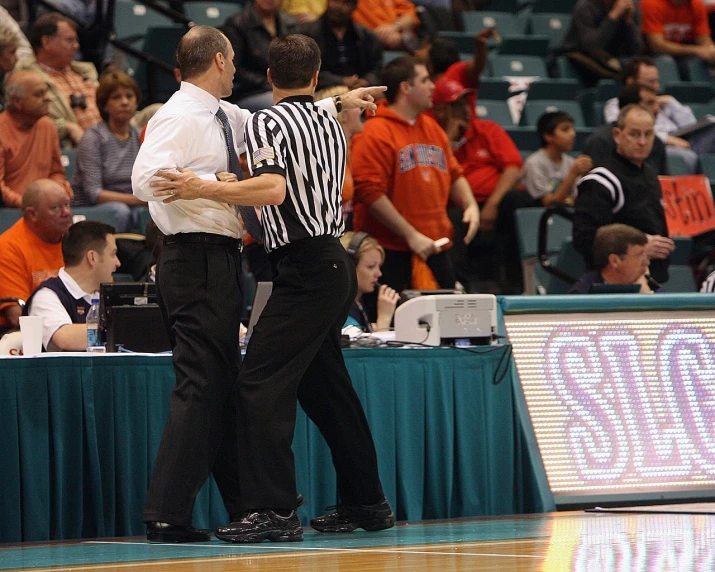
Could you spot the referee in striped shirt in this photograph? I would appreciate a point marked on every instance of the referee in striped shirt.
(296, 153)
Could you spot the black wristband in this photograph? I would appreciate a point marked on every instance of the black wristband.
(338, 103)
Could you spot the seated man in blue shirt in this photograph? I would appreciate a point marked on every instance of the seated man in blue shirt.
(90, 254)
(620, 256)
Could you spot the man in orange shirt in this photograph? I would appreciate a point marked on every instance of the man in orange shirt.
(72, 84)
(29, 146)
(31, 248)
(405, 174)
(393, 21)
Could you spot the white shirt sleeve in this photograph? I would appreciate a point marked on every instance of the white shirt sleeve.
(164, 147)
(328, 104)
(47, 304)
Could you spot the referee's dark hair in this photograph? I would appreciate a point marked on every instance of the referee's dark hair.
(197, 50)
(82, 237)
(399, 70)
(293, 61)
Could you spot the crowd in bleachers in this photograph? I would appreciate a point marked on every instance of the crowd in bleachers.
(542, 82)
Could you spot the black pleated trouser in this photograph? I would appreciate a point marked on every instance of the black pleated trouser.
(294, 353)
(198, 285)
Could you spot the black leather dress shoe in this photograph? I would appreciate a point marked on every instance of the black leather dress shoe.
(349, 517)
(260, 525)
(165, 532)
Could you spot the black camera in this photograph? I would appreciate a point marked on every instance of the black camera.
(78, 101)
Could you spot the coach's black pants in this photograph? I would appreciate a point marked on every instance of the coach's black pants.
(294, 352)
(200, 298)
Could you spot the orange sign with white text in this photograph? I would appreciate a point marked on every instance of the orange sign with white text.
(689, 206)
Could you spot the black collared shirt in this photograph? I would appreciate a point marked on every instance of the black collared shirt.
(619, 191)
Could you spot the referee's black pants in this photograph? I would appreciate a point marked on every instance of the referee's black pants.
(294, 352)
(200, 298)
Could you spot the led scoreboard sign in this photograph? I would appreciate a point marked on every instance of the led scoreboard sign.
(622, 405)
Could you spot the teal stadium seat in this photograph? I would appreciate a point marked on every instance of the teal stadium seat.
(497, 111)
(132, 21)
(524, 44)
(698, 70)
(91, 213)
(144, 218)
(161, 42)
(389, 55)
(547, 88)
(523, 137)
(535, 109)
(553, 6)
(69, 162)
(8, 217)
(700, 110)
(677, 165)
(552, 25)
(210, 13)
(507, 24)
(522, 66)
(667, 70)
(691, 92)
(494, 88)
(464, 40)
(707, 166)
(680, 279)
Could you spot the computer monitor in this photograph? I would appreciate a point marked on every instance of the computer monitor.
(130, 318)
(615, 289)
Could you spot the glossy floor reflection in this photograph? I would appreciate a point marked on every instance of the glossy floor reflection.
(575, 541)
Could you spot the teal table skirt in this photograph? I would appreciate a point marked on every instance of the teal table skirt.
(80, 433)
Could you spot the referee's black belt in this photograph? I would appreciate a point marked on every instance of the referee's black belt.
(205, 238)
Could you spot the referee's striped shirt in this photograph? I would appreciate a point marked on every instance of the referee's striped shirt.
(305, 144)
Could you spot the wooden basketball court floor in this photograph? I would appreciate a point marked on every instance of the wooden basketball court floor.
(564, 541)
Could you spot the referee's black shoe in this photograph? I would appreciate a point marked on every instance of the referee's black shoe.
(260, 525)
(347, 518)
(165, 532)
(299, 500)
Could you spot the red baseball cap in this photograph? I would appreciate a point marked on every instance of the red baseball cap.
(448, 91)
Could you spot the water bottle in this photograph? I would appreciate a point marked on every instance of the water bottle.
(93, 342)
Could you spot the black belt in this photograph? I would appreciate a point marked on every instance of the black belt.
(205, 238)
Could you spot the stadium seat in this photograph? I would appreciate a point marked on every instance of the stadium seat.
(132, 21)
(8, 217)
(92, 213)
(524, 45)
(567, 70)
(144, 218)
(389, 55)
(536, 280)
(523, 137)
(557, 6)
(552, 25)
(680, 279)
(464, 40)
(567, 259)
(161, 43)
(667, 70)
(698, 70)
(700, 110)
(683, 250)
(497, 111)
(507, 24)
(210, 13)
(677, 165)
(533, 109)
(494, 88)
(547, 88)
(690, 91)
(606, 89)
(69, 162)
(523, 66)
